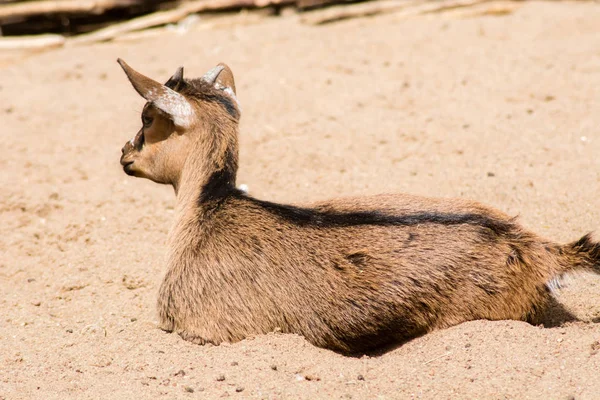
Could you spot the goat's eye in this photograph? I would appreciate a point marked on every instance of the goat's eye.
(146, 121)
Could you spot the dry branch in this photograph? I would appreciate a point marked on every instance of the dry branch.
(136, 24)
(451, 5)
(401, 8)
(303, 4)
(495, 8)
(169, 17)
(341, 12)
(31, 42)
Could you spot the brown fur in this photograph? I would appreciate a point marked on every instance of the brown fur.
(348, 274)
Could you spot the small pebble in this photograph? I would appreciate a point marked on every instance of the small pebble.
(360, 377)
(274, 367)
(239, 389)
(491, 174)
(189, 389)
(221, 378)
(133, 319)
(37, 303)
(234, 363)
(179, 373)
(69, 330)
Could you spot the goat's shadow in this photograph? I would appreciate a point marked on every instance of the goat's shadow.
(555, 315)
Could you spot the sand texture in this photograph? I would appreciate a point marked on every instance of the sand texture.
(503, 109)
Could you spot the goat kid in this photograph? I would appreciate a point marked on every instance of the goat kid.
(350, 274)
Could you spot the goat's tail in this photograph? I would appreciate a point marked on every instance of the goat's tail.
(583, 254)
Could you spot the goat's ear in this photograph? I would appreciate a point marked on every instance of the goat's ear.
(162, 97)
(176, 80)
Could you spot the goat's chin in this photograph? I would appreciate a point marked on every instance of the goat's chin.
(128, 170)
(131, 171)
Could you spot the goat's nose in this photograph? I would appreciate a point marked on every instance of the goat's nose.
(126, 148)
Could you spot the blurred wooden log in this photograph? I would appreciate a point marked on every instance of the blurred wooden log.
(23, 9)
(267, 3)
(495, 8)
(169, 17)
(30, 8)
(304, 4)
(341, 12)
(443, 6)
(226, 20)
(136, 24)
(31, 42)
(402, 8)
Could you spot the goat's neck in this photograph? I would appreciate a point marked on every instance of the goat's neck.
(194, 176)
(198, 176)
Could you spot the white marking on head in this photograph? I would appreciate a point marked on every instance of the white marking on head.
(163, 97)
(176, 106)
(243, 187)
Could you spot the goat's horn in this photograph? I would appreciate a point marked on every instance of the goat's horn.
(211, 76)
(165, 99)
(175, 80)
(178, 75)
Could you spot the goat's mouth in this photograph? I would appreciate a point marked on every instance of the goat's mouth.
(127, 167)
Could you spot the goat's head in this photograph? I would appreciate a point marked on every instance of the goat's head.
(178, 117)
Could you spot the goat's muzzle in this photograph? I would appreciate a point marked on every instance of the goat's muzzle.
(126, 149)
(126, 163)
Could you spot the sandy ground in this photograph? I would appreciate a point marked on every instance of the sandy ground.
(502, 109)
